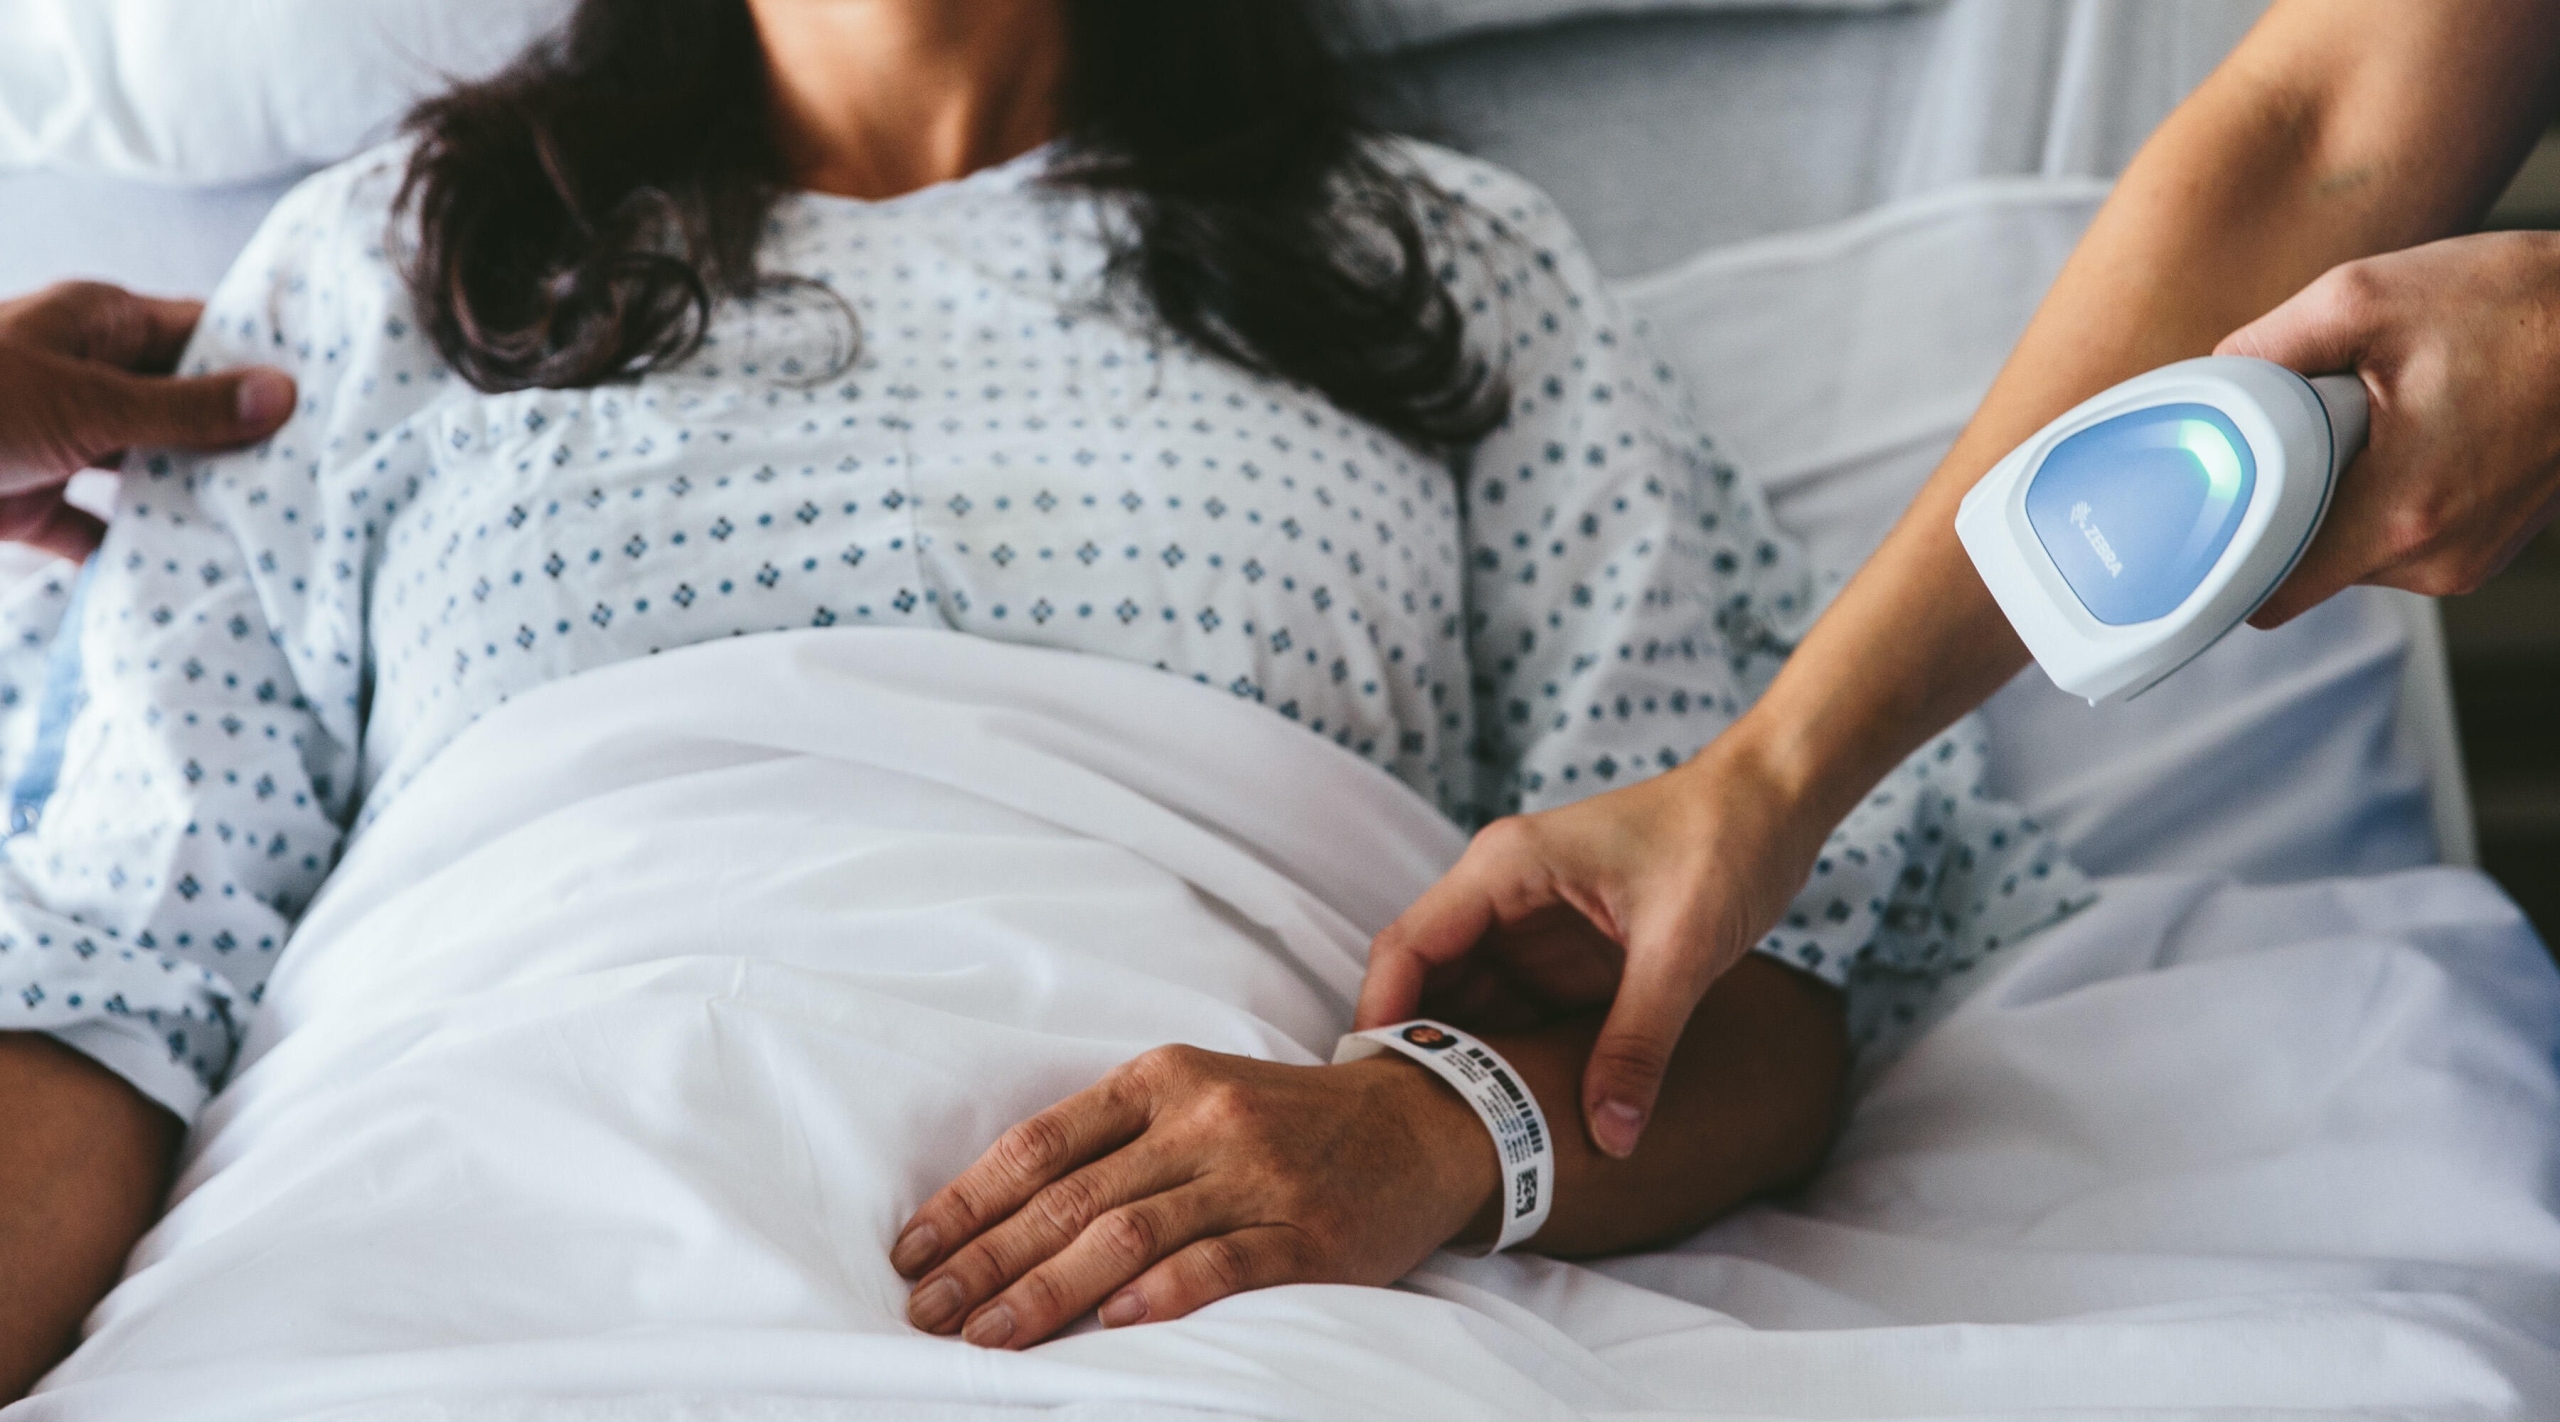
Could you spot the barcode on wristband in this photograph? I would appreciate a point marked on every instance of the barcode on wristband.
(1516, 1128)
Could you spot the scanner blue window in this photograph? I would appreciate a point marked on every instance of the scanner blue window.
(2136, 510)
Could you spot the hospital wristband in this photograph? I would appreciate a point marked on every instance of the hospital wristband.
(1487, 1083)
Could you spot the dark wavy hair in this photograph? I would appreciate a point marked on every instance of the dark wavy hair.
(579, 216)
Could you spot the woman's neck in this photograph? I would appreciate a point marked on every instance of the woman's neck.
(874, 98)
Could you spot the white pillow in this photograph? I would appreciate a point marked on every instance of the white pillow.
(1424, 21)
(233, 91)
(230, 91)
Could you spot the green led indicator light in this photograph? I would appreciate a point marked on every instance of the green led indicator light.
(2221, 463)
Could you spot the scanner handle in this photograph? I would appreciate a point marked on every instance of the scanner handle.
(2343, 398)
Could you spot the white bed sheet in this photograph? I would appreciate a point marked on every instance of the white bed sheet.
(2329, 1189)
(611, 1060)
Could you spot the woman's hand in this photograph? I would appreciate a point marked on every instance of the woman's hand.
(1680, 875)
(1186, 1176)
(2459, 345)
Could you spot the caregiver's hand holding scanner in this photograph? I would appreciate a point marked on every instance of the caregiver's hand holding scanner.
(2249, 226)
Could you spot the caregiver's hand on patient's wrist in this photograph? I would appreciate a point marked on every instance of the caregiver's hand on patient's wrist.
(83, 376)
(1186, 1176)
(1680, 875)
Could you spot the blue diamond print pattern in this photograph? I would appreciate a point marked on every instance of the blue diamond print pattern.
(1581, 600)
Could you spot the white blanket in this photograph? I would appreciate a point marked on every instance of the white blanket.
(597, 1082)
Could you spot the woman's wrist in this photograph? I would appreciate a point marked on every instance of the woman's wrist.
(1463, 1170)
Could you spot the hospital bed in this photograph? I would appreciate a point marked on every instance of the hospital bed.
(1836, 215)
(1839, 215)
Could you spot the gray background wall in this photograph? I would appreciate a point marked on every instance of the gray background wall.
(2505, 643)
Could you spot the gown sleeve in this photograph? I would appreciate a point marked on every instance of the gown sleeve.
(1629, 595)
(206, 785)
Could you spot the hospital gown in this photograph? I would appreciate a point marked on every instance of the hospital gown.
(981, 436)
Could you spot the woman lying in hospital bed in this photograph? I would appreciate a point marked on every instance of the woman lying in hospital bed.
(1102, 328)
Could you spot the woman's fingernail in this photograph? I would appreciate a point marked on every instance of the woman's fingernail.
(934, 1305)
(991, 1329)
(1125, 1309)
(915, 1249)
(265, 397)
(1618, 1126)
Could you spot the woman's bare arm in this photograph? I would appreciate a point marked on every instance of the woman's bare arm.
(2339, 128)
(84, 1160)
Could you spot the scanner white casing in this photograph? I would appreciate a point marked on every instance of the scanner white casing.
(2301, 438)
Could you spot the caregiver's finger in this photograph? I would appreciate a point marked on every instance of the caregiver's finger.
(2335, 561)
(43, 520)
(1120, 1245)
(2356, 541)
(1262, 1257)
(1049, 1223)
(145, 334)
(1100, 1118)
(210, 412)
(1442, 926)
(2334, 324)
(1624, 1077)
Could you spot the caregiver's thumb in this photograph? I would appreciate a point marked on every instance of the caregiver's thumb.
(83, 377)
(1634, 1049)
(108, 410)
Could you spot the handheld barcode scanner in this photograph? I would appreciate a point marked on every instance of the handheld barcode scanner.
(2143, 526)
